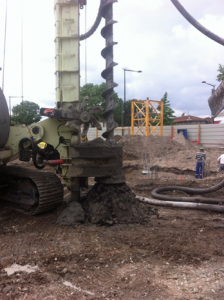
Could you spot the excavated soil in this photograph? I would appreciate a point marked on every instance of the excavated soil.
(165, 152)
(108, 205)
(173, 254)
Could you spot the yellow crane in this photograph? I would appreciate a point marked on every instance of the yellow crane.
(147, 116)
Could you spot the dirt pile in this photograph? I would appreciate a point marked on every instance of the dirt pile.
(106, 205)
(157, 146)
(115, 204)
(117, 137)
(166, 152)
(186, 143)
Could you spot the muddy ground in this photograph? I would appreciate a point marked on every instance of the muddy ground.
(176, 254)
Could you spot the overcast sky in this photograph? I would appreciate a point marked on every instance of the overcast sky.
(152, 36)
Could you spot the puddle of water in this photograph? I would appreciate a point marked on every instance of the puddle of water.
(15, 268)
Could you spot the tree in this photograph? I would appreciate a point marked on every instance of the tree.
(128, 112)
(220, 76)
(95, 99)
(168, 113)
(26, 113)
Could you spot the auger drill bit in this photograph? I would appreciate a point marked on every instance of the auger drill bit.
(107, 74)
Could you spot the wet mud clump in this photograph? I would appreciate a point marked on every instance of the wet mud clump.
(72, 215)
(114, 204)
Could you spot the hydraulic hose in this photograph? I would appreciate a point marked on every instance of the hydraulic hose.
(199, 206)
(190, 191)
(211, 204)
(95, 25)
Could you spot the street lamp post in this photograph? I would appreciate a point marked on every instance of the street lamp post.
(124, 112)
(213, 90)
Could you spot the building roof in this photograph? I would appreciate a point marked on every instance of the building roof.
(190, 118)
(208, 119)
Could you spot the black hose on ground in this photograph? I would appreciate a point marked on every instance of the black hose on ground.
(211, 204)
(190, 191)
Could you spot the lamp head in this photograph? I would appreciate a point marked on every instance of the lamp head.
(132, 70)
(203, 82)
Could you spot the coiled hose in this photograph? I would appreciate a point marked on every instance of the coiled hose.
(211, 204)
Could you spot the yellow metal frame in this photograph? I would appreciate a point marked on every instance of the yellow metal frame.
(148, 115)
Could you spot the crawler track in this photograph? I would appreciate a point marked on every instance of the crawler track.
(32, 192)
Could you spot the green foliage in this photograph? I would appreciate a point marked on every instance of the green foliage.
(220, 76)
(26, 113)
(95, 99)
(168, 113)
(94, 93)
(118, 110)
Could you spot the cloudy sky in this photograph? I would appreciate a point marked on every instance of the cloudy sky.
(152, 37)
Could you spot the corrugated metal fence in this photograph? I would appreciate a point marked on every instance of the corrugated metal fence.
(210, 135)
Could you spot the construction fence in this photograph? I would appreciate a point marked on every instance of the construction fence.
(209, 135)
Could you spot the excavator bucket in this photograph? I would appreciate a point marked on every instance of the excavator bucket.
(216, 101)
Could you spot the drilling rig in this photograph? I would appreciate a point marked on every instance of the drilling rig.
(56, 141)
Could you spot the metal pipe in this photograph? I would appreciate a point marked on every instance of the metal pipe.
(125, 91)
(171, 204)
